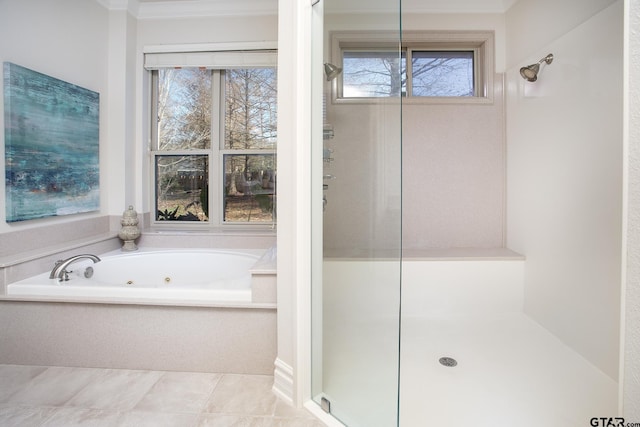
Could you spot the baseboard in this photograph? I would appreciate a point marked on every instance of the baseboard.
(283, 381)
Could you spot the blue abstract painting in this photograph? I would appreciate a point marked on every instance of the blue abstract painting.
(51, 146)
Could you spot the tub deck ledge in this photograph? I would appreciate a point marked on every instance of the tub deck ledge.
(434, 254)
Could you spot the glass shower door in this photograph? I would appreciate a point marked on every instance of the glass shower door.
(357, 212)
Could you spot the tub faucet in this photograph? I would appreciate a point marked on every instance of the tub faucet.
(60, 269)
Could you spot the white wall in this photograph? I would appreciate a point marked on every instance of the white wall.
(209, 29)
(564, 179)
(631, 368)
(533, 24)
(293, 371)
(122, 119)
(68, 40)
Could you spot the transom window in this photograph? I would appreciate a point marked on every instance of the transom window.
(424, 67)
(214, 141)
(442, 73)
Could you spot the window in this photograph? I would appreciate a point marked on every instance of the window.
(424, 67)
(372, 73)
(442, 73)
(214, 139)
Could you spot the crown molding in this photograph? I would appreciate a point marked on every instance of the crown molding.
(130, 6)
(167, 9)
(417, 6)
(192, 8)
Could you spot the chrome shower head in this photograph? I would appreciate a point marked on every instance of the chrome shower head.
(331, 71)
(530, 72)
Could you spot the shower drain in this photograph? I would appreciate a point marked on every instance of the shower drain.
(448, 361)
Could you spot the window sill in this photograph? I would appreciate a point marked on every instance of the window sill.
(222, 238)
(467, 100)
(209, 231)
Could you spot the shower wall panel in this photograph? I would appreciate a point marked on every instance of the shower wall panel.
(452, 176)
(564, 198)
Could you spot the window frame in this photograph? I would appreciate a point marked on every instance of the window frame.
(217, 150)
(480, 42)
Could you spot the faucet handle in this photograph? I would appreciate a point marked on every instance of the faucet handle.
(54, 271)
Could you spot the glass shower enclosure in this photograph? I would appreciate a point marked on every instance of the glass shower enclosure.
(357, 229)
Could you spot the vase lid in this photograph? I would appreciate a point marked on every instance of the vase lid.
(130, 213)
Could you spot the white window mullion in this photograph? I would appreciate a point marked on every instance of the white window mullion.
(154, 111)
(152, 196)
(479, 73)
(216, 170)
(409, 72)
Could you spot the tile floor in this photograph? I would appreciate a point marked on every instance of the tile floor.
(60, 396)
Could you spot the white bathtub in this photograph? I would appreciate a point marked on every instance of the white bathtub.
(169, 275)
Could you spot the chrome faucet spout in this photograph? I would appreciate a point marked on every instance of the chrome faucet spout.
(60, 269)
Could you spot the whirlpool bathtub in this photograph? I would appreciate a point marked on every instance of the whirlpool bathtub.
(171, 275)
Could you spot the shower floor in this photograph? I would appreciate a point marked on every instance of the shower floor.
(510, 372)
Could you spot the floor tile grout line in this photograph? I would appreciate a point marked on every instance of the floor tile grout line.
(22, 386)
(52, 410)
(65, 404)
(213, 389)
(104, 372)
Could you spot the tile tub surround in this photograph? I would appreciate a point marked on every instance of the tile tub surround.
(194, 336)
(122, 336)
(159, 237)
(30, 251)
(53, 234)
(264, 279)
(60, 396)
(22, 265)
